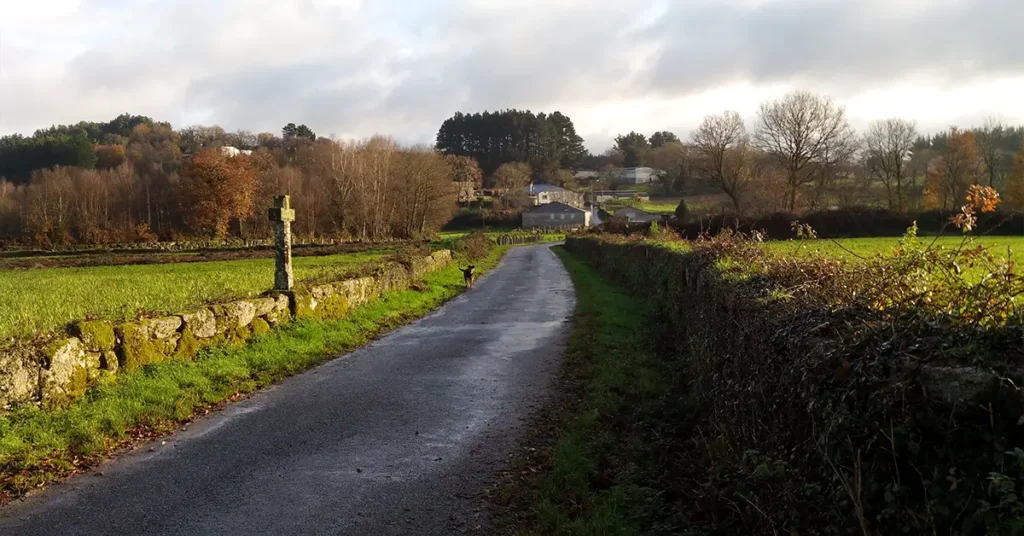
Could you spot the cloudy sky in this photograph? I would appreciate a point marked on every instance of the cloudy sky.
(353, 68)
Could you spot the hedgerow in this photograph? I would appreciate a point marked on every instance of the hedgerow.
(828, 397)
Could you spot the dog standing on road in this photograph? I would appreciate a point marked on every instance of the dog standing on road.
(468, 275)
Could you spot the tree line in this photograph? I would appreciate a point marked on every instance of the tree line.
(546, 142)
(803, 155)
(153, 182)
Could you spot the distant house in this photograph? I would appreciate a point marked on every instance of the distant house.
(600, 196)
(230, 151)
(586, 174)
(542, 194)
(634, 175)
(635, 215)
(555, 215)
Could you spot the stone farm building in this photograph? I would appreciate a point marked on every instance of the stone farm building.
(542, 194)
(601, 196)
(555, 215)
(635, 175)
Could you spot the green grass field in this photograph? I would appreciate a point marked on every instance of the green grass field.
(44, 300)
(852, 248)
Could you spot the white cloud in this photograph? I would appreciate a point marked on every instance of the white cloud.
(353, 68)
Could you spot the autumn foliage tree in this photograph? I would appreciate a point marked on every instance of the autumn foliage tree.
(1015, 182)
(216, 188)
(956, 167)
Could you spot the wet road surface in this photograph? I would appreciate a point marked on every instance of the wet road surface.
(398, 437)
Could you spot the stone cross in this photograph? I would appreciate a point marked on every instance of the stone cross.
(282, 216)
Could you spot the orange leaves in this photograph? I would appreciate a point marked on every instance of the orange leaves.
(983, 198)
(109, 156)
(979, 199)
(216, 188)
(1015, 182)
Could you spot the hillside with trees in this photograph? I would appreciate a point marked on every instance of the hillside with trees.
(136, 180)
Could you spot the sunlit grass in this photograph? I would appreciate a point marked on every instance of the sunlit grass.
(855, 248)
(45, 300)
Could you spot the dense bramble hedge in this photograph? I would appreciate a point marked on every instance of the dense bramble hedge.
(811, 410)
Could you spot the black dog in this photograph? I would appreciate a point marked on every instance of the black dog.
(468, 275)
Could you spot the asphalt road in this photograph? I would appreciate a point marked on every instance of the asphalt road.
(399, 437)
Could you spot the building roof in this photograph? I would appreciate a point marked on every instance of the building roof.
(537, 188)
(554, 208)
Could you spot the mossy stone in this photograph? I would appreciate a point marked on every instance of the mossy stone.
(259, 326)
(136, 349)
(305, 305)
(97, 335)
(334, 307)
(188, 345)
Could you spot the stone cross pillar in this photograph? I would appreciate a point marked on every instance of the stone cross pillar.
(282, 216)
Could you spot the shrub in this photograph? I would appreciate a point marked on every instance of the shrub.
(473, 246)
(682, 212)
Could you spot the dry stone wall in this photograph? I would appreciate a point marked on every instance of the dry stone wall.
(57, 371)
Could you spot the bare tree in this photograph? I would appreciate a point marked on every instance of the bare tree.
(889, 146)
(512, 178)
(807, 135)
(987, 141)
(722, 147)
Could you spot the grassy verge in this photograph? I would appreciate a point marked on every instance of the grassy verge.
(45, 300)
(38, 447)
(600, 475)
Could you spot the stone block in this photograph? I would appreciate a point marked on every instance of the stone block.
(260, 326)
(265, 305)
(201, 323)
(67, 367)
(108, 361)
(282, 301)
(19, 375)
(137, 348)
(357, 291)
(321, 292)
(97, 335)
(239, 313)
(335, 306)
(305, 304)
(393, 276)
(164, 327)
(958, 385)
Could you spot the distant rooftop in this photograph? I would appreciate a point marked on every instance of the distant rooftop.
(537, 188)
(554, 208)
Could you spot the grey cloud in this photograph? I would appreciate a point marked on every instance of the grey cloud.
(845, 46)
(386, 67)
